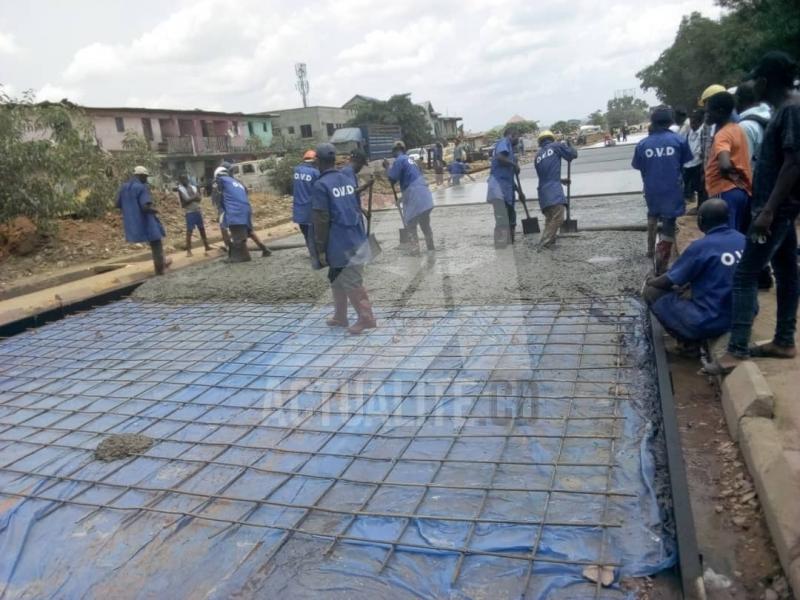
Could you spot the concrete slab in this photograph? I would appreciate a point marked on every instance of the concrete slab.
(745, 393)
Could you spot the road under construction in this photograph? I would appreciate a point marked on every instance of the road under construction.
(507, 430)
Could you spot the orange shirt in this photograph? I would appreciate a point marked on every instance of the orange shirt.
(731, 138)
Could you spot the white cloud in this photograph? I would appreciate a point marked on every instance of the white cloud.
(483, 60)
(54, 93)
(8, 45)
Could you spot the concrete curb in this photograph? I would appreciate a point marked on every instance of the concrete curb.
(747, 401)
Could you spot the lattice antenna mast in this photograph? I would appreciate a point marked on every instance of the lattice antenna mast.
(302, 81)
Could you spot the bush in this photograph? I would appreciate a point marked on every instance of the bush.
(282, 175)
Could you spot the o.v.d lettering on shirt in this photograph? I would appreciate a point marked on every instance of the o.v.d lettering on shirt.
(303, 177)
(343, 190)
(546, 154)
(659, 152)
(730, 258)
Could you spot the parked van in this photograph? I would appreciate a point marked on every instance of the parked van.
(253, 174)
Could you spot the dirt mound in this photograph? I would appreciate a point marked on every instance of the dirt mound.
(19, 237)
(122, 445)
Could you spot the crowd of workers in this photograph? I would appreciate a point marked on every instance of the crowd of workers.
(738, 155)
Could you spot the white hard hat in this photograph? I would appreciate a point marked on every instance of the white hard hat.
(140, 170)
(220, 171)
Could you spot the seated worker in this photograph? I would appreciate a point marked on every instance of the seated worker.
(706, 268)
(340, 241)
(728, 172)
(659, 157)
(417, 198)
(303, 178)
(551, 195)
(457, 170)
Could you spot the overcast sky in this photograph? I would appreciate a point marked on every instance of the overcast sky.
(483, 60)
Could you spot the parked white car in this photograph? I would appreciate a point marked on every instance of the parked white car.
(417, 154)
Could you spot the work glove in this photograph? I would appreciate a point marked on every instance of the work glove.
(566, 181)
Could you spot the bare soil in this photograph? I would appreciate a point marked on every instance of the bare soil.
(74, 242)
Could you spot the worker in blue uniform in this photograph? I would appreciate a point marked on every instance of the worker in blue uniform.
(303, 178)
(659, 157)
(417, 197)
(237, 215)
(216, 199)
(340, 241)
(140, 217)
(552, 200)
(457, 170)
(501, 186)
(705, 270)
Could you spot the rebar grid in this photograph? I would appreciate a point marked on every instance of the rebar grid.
(80, 380)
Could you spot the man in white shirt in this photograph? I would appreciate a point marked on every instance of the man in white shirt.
(693, 169)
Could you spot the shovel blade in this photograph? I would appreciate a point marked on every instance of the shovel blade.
(569, 226)
(404, 235)
(530, 225)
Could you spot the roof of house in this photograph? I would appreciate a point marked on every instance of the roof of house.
(360, 98)
(179, 111)
(284, 110)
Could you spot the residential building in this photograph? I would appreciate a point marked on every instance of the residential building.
(358, 100)
(307, 125)
(193, 141)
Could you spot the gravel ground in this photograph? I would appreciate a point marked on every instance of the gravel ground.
(465, 268)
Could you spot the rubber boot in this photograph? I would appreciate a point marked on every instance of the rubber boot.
(651, 239)
(512, 231)
(500, 237)
(663, 253)
(412, 245)
(339, 318)
(429, 242)
(360, 301)
(239, 252)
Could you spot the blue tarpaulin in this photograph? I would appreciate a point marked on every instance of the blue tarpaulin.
(465, 452)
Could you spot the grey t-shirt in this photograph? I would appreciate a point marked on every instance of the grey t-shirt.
(190, 198)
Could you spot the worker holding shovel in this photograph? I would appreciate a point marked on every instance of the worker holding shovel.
(551, 195)
(500, 187)
(417, 198)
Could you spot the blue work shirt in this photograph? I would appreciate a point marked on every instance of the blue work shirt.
(335, 193)
(457, 168)
(403, 170)
(659, 158)
(304, 177)
(235, 205)
(140, 226)
(707, 266)
(500, 185)
(548, 169)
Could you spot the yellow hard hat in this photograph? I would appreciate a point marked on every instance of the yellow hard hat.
(546, 134)
(711, 90)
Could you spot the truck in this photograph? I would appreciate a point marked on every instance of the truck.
(375, 140)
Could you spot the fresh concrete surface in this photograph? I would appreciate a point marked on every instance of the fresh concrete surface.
(770, 446)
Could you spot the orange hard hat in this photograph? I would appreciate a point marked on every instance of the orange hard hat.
(309, 155)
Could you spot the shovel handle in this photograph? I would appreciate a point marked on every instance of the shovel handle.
(522, 197)
(569, 187)
(397, 204)
(369, 210)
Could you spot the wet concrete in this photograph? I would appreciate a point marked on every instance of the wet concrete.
(466, 268)
(122, 445)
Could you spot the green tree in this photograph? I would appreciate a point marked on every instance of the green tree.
(397, 110)
(50, 163)
(597, 118)
(565, 127)
(626, 110)
(281, 172)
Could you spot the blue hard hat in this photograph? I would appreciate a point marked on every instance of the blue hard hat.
(326, 151)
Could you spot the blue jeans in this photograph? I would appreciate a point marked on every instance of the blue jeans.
(780, 250)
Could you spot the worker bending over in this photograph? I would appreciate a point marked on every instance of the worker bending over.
(551, 195)
(501, 186)
(140, 217)
(659, 158)
(728, 172)
(417, 198)
(237, 215)
(705, 270)
(305, 174)
(340, 241)
(457, 170)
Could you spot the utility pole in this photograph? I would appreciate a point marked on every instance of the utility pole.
(625, 93)
(302, 82)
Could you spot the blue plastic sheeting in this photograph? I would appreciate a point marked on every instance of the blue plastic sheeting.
(470, 452)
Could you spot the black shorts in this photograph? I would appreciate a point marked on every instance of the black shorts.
(693, 181)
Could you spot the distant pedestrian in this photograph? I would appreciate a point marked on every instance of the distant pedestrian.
(693, 180)
(460, 151)
(772, 237)
(438, 163)
(659, 157)
(140, 217)
(417, 198)
(551, 195)
(458, 169)
(624, 133)
(501, 187)
(189, 197)
(339, 241)
(728, 174)
(303, 178)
